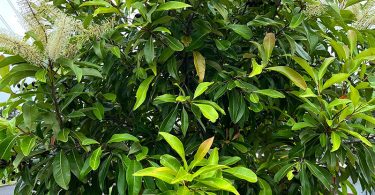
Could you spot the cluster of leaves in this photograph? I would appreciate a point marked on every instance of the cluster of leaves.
(285, 87)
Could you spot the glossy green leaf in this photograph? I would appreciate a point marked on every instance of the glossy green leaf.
(242, 30)
(61, 170)
(265, 187)
(175, 143)
(242, 173)
(208, 111)
(89, 141)
(336, 141)
(174, 44)
(257, 69)
(27, 144)
(163, 173)
(6, 146)
(271, 93)
(170, 162)
(296, 20)
(320, 173)
(142, 92)
(201, 88)
(358, 136)
(336, 78)
(268, 44)
(171, 5)
(63, 135)
(95, 158)
(296, 78)
(219, 183)
(282, 172)
(184, 121)
(169, 121)
(122, 137)
(324, 66)
(149, 50)
(306, 66)
(134, 182)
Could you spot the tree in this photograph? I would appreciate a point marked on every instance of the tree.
(190, 97)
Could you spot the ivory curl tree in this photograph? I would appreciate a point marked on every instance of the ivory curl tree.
(190, 97)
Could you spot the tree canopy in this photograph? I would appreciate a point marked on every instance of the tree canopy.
(189, 97)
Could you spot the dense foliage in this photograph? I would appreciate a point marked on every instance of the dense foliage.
(190, 97)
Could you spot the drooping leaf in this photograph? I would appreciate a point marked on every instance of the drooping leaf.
(323, 175)
(296, 20)
(184, 121)
(169, 121)
(134, 182)
(6, 146)
(271, 93)
(282, 172)
(174, 44)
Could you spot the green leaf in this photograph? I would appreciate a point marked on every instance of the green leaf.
(162, 29)
(105, 10)
(296, 20)
(336, 78)
(174, 44)
(305, 65)
(176, 145)
(11, 60)
(91, 72)
(208, 111)
(242, 30)
(171, 5)
(142, 92)
(169, 121)
(265, 187)
(257, 69)
(27, 144)
(200, 65)
(296, 78)
(324, 66)
(163, 173)
(122, 137)
(336, 141)
(61, 170)
(149, 50)
(301, 125)
(358, 136)
(305, 181)
(282, 172)
(367, 54)
(170, 162)
(243, 173)
(121, 179)
(352, 36)
(103, 171)
(222, 45)
(220, 184)
(76, 70)
(6, 146)
(98, 110)
(184, 121)
(166, 98)
(237, 106)
(116, 51)
(134, 182)
(201, 88)
(208, 168)
(320, 173)
(75, 163)
(89, 141)
(63, 135)
(271, 93)
(268, 44)
(110, 96)
(354, 95)
(201, 152)
(95, 158)
(96, 3)
(339, 48)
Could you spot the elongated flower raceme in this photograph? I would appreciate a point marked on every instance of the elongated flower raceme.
(19, 47)
(365, 15)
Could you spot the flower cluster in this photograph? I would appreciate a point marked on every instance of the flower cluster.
(60, 35)
(315, 9)
(365, 17)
